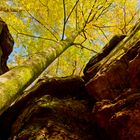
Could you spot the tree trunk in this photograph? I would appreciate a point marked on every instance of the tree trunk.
(17, 79)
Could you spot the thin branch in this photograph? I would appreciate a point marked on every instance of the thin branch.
(42, 25)
(83, 47)
(33, 36)
(90, 13)
(124, 17)
(43, 4)
(10, 9)
(76, 19)
(72, 11)
(66, 19)
(103, 11)
(46, 6)
(84, 35)
(120, 29)
(104, 26)
(132, 18)
(81, 71)
(124, 29)
(74, 65)
(25, 34)
(64, 22)
(50, 27)
(83, 16)
(131, 21)
(93, 17)
(103, 32)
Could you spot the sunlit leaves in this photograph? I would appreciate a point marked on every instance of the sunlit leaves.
(41, 24)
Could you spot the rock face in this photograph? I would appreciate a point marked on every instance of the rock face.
(92, 66)
(6, 46)
(53, 109)
(116, 90)
(120, 75)
(120, 119)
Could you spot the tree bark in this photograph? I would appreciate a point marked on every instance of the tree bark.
(17, 79)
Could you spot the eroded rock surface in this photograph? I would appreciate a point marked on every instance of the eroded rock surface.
(120, 119)
(118, 76)
(116, 89)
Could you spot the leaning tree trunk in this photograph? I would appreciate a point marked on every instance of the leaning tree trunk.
(17, 79)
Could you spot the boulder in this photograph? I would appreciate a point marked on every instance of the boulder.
(120, 119)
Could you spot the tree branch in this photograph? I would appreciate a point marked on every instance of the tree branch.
(46, 6)
(72, 11)
(37, 37)
(74, 65)
(10, 9)
(76, 19)
(90, 13)
(25, 34)
(105, 10)
(64, 21)
(102, 32)
(80, 72)
(42, 25)
(83, 47)
(124, 18)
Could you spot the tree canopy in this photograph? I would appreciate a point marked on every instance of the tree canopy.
(39, 24)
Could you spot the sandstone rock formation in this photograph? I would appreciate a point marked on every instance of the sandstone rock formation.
(116, 90)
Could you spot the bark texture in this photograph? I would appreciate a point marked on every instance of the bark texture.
(20, 77)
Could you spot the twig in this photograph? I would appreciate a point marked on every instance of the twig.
(124, 18)
(104, 26)
(103, 32)
(78, 44)
(37, 37)
(10, 9)
(90, 13)
(103, 11)
(32, 35)
(46, 6)
(71, 11)
(74, 65)
(80, 72)
(76, 19)
(64, 21)
(43, 4)
(42, 25)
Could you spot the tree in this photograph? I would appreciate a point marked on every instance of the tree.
(81, 24)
